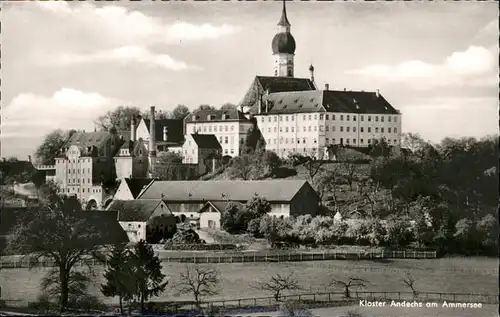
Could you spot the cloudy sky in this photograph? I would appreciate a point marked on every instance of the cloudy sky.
(65, 64)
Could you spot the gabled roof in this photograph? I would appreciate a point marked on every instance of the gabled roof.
(216, 115)
(329, 101)
(175, 129)
(206, 141)
(235, 190)
(86, 139)
(106, 222)
(134, 210)
(136, 185)
(261, 84)
(220, 205)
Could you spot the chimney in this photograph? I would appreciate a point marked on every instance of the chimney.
(165, 132)
(345, 89)
(377, 93)
(267, 100)
(152, 137)
(327, 87)
(132, 130)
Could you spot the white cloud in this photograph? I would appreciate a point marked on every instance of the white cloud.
(123, 27)
(32, 116)
(123, 55)
(474, 65)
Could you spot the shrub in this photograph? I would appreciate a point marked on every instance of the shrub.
(185, 236)
(200, 247)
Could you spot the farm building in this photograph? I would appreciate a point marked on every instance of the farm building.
(148, 220)
(189, 199)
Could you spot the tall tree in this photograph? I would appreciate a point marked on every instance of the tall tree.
(277, 284)
(119, 118)
(159, 114)
(179, 112)
(48, 150)
(149, 280)
(119, 276)
(56, 230)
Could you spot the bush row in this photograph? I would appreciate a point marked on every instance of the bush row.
(199, 247)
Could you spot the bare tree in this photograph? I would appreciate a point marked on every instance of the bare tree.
(277, 284)
(313, 165)
(199, 282)
(409, 280)
(352, 282)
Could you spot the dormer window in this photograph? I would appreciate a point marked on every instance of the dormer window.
(224, 116)
(193, 118)
(209, 117)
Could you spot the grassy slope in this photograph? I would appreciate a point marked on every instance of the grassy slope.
(475, 275)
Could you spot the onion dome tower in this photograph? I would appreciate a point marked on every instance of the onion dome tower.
(283, 46)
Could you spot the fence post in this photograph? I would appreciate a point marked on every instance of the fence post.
(329, 298)
(323, 255)
(266, 258)
(399, 295)
(301, 256)
(404, 254)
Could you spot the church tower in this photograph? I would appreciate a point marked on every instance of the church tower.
(283, 46)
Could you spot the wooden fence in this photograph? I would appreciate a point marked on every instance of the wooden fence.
(325, 299)
(248, 257)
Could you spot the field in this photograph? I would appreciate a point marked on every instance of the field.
(485, 311)
(457, 275)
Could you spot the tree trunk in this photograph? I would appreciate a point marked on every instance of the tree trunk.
(142, 303)
(64, 280)
(347, 293)
(121, 305)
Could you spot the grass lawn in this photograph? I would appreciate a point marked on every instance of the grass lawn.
(457, 275)
(485, 311)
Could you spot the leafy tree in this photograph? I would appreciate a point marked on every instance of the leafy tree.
(179, 112)
(277, 284)
(352, 282)
(268, 228)
(487, 228)
(257, 206)
(313, 165)
(399, 233)
(379, 147)
(204, 107)
(242, 167)
(327, 182)
(119, 118)
(228, 107)
(412, 142)
(169, 166)
(119, 276)
(199, 282)
(56, 230)
(149, 280)
(48, 150)
(159, 114)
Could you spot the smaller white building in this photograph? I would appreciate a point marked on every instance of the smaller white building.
(142, 218)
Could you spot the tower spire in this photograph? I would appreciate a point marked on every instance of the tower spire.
(284, 20)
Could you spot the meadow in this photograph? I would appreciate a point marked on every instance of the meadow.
(485, 311)
(454, 275)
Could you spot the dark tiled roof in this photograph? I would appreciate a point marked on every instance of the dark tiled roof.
(175, 132)
(273, 85)
(136, 185)
(134, 210)
(221, 205)
(281, 84)
(88, 139)
(272, 190)
(216, 115)
(206, 141)
(106, 222)
(330, 101)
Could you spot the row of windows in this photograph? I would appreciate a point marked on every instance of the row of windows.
(225, 140)
(209, 128)
(333, 116)
(72, 171)
(77, 190)
(327, 128)
(327, 141)
(77, 181)
(81, 160)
